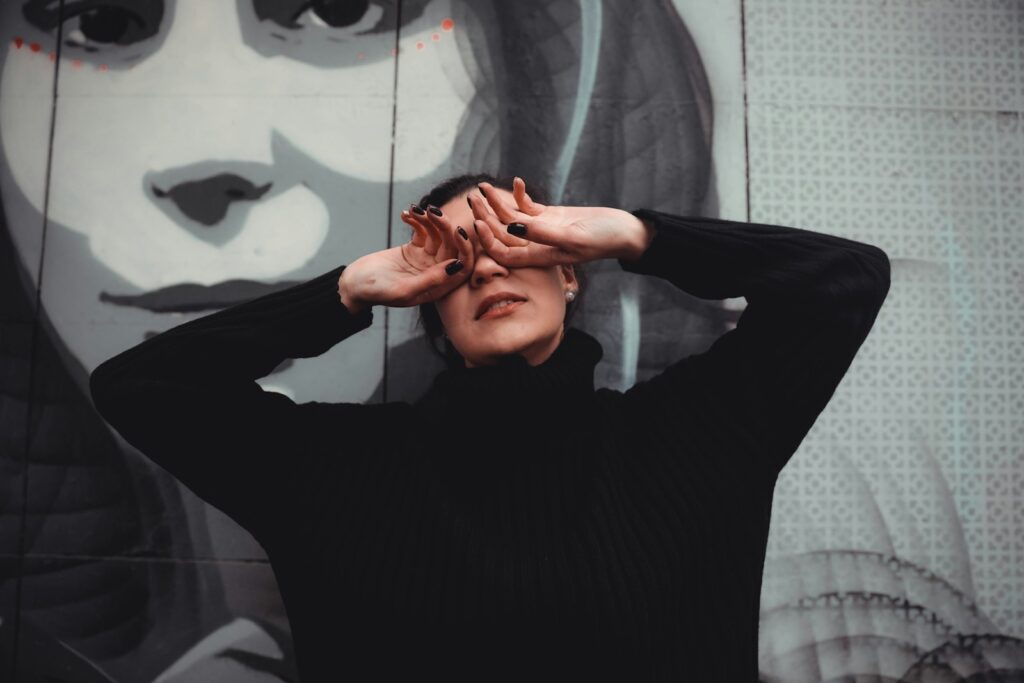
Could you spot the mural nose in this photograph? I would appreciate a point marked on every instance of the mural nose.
(206, 201)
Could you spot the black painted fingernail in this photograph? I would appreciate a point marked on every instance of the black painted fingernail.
(453, 268)
(517, 229)
(434, 210)
(464, 234)
(418, 210)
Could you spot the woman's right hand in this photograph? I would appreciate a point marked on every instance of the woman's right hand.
(411, 273)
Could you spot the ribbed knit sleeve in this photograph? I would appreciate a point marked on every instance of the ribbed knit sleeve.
(811, 298)
(187, 398)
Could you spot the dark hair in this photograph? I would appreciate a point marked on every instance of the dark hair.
(442, 193)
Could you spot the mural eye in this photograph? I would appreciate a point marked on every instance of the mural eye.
(354, 17)
(102, 25)
(98, 26)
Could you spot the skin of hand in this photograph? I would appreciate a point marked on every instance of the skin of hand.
(411, 273)
(536, 268)
(555, 235)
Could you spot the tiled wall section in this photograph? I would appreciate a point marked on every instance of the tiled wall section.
(899, 123)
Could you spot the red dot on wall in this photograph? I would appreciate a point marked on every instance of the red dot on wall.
(447, 24)
(419, 45)
(53, 56)
(103, 67)
(436, 37)
(77, 63)
(35, 47)
(18, 42)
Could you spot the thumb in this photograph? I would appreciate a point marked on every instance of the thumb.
(523, 200)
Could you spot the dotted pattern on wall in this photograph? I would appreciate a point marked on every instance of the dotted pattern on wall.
(899, 124)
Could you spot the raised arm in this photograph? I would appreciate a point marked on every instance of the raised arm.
(188, 399)
(811, 298)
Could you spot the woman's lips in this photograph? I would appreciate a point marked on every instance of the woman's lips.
(505, 310)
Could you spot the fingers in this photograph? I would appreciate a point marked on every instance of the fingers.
(523, 201)
(495, 248)
(420, 236)
(506, 248)
(518, 256)
(434, 240)
(433, 283)
(466, 252)
(448, 247)
(479, 206)
(506, 214)
(490, 221)
(455, 245)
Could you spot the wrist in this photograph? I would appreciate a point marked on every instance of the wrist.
(641, 233)
(353, 305)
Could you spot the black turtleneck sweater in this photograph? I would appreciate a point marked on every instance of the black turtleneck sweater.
(514, 523)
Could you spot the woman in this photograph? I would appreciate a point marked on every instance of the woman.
(514, 523)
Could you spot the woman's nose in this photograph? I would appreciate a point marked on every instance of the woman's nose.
(485, 267)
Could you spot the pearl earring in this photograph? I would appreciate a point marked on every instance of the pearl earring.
(570, 295)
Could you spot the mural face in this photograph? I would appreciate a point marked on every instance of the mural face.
(206, 151)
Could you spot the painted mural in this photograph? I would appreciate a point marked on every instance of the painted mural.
(163, 159)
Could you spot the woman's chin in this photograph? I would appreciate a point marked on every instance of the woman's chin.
(504, 342)
(506, 345)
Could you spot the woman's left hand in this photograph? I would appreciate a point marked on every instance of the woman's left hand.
(553, 235)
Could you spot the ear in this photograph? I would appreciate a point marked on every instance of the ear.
(568, 274)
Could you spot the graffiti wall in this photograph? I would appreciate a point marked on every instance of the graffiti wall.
(163, 159)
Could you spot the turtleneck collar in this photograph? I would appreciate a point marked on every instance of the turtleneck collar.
(532, 395)
(498, 434)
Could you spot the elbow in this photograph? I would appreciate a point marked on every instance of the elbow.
(869, 276)
(858, 286)
(880, 267)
